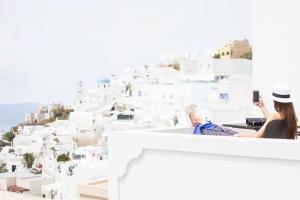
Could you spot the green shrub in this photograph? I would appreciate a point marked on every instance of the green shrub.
(3, 168)
(9, 136)
(63, 157)
(247, 55)
(29, 159)
(11, 151)
(61, 113)
(217, 56)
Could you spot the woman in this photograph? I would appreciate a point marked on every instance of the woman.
(283, 120)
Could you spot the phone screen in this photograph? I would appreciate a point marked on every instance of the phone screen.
(255, 96)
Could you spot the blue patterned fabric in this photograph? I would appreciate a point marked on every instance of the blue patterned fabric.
(200, 127)
(212, 129)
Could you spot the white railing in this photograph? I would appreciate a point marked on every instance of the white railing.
(175, 166)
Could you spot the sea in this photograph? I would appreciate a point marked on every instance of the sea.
(5, 127)
(13, 114)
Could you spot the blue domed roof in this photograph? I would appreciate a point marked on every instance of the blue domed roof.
(103, 81)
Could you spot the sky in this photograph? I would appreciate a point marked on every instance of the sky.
(47, 46)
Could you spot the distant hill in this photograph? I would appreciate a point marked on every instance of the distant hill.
(13, 114)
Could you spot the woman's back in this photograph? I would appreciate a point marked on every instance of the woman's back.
(275, 129)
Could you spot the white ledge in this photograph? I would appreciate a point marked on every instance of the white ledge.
(130, 153)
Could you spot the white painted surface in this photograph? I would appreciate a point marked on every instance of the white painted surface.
(7, 180)
(17, 196)
(158, 165)
(276, 45)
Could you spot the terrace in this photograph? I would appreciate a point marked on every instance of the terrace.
(175, 164)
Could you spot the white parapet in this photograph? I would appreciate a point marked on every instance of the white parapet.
(175, 165)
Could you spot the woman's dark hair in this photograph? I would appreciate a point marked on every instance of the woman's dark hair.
(287, 113)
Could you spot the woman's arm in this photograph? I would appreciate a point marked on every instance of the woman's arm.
(259, 133)
(249, 135)
(264, 110)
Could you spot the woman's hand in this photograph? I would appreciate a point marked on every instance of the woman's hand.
(241, 135)
(249, 135)
(264, 110)
(238, 135)
(260, 103)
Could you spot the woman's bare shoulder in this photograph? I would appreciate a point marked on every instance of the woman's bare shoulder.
(275, 116)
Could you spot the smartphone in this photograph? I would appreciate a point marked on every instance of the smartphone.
(255, 96)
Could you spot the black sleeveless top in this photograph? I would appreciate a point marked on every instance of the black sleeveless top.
(275, 129)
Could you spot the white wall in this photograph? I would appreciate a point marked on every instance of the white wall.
(276, 42)
(172, 165)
